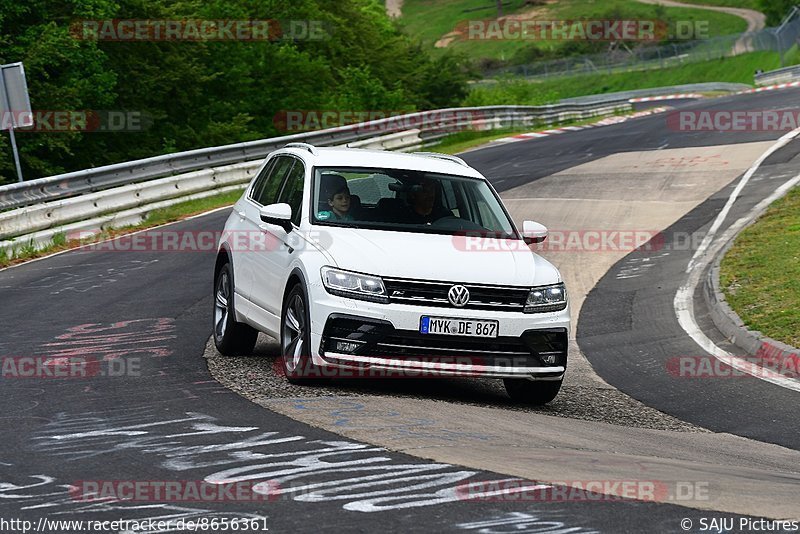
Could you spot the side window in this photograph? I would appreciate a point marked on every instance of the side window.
(258, 184)
(268, 192)
(292, 192)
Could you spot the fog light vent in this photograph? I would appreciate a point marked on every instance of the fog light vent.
(548, 358)
(346, 347)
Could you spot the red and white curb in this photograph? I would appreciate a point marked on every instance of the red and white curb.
(679, 96)
(773, 87)
(604, 122)
(770, 87)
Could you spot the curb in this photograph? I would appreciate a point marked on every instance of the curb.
(556, 131)
(617, 120)
(753, 343)
(770, 88)
(681, 96)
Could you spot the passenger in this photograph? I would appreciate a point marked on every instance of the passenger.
(335, 192)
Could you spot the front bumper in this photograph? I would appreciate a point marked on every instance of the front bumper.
(386, 338)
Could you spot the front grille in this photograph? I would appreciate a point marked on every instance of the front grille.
(535, 348)
(481, 297)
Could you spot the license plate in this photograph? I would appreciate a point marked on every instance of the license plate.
(448, 326)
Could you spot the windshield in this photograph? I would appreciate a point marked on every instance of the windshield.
(410, 201)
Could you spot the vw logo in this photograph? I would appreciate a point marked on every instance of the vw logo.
(458, 296)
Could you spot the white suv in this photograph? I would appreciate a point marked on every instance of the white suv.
(391, 262)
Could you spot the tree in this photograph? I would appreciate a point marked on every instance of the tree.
(775, 10)
(207, 93)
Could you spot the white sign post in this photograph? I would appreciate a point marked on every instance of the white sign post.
(15, 105)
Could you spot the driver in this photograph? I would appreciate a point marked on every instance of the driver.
(422, 203)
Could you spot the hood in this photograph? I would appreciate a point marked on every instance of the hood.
(435, 257)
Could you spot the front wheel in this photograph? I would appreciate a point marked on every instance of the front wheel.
(535, 392)
(296, 337)
(230, 337)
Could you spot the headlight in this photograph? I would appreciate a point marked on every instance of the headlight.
(354, 285)
(546, 299)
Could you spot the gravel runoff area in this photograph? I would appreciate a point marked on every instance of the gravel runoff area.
(255, 378)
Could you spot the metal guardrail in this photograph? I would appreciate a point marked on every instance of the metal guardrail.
(87, 201)
(431, 123)
(786, 74)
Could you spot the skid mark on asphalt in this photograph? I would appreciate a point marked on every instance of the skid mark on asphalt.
(636, 267)
(361, 477)
(109, 341)
(519, 522)
(90, 277)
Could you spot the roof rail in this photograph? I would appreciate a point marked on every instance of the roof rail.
(448, 157)
(305, 146)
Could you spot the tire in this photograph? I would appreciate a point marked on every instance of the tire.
(296, 338)
(231, 338)
(537, 392)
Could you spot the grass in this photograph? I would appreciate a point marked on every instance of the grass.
(59, 242)
(180, 211)
(738, 69)
(760, 274)
(430, 20)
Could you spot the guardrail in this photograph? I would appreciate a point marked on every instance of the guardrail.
(115, 195)
(786, 74)
(444, 120)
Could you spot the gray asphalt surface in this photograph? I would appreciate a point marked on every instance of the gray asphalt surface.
(629, 330)
(161, 418)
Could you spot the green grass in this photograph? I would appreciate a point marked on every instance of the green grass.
(59, 239)
(738, 69)
(430, 20)
(189, 208)
(760, 274)
(28, 251)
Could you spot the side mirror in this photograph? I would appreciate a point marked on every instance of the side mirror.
(533, 232)
(277, 214)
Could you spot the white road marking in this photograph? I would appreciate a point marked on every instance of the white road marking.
(728, 205)
(684, 309)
